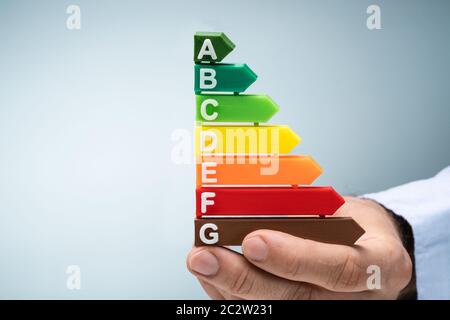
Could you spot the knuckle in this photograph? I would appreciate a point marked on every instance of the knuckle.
(243, 282)
(407, 266)
(345, 275)
(293, 267)
(395, 266)
(403, 269)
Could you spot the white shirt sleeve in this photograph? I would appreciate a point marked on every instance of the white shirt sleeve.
(425, 204)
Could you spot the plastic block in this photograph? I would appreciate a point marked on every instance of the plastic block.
(245, 139)
(235, 108)
(234, 78)
(257, 170)
(211, 46)
(231, 232)
(251, 201)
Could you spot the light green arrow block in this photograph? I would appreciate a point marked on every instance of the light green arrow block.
(234, 108)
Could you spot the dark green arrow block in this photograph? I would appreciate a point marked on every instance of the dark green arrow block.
(215, 45)
(234, 108)
(223, 77)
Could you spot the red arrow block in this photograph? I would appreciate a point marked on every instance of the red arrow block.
(267, 201)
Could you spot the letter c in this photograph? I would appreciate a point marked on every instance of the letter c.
(204, 105)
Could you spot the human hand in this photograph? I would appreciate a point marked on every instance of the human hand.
(276, 265)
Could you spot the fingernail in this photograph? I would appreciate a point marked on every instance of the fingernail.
(255, 248)
(204, 263)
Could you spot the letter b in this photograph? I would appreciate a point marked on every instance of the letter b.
(207, 78)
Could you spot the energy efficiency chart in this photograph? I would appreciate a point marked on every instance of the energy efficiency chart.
(245, 177)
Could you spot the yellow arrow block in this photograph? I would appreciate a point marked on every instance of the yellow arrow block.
(244, 140)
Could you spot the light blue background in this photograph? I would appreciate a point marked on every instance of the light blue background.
(86, 119)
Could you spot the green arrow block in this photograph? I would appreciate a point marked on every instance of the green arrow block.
(234, 108)
(211, 46)
(223, 77)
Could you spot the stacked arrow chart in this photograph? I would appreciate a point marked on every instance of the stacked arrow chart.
(245, 178)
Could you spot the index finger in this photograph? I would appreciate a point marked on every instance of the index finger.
(334, 267)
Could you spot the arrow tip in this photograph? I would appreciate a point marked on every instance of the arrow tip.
(274, 108)
(338, 199)
(312, 170)
(316, 168)
(292, 139)
(227, 41)
(358, 231)
(249, 74)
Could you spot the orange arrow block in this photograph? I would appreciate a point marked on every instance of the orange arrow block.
(257, 170)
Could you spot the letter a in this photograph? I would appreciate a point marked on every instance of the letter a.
(73, 22)
(207, 50)
(374, 280)
(74, 278)
(374, 20)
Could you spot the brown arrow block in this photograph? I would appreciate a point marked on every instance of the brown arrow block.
(231, 232)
